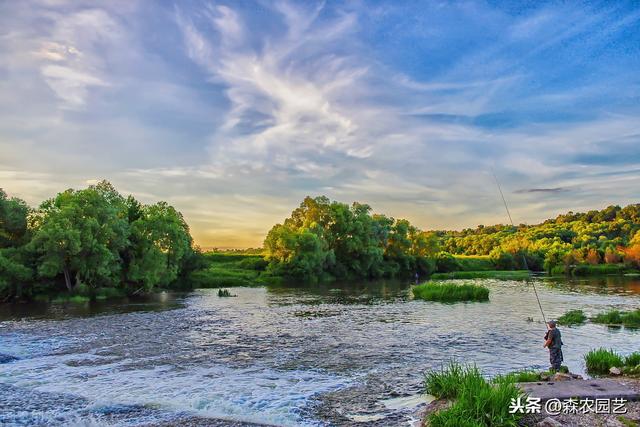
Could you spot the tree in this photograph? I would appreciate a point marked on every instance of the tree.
(592, 257)
(80, 234)
(13, 220)
(160, 243)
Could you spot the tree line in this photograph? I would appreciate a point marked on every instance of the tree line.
(607, 236)
(325, 239)
(91, 239)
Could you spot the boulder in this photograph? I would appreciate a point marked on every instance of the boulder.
(549, 422)
(615, 371)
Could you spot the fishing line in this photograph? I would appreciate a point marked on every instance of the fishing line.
(524, 258)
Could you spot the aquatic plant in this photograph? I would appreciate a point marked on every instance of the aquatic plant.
(617, 317)
(225, 293)
(449, 292)
(599, 361)
(478, 402)
(572, 317)
(490, 274)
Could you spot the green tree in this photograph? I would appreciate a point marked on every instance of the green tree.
(80, 234)
(160, 244)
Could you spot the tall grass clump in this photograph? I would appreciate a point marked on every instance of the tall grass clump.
(633, 359)
(522, 376)
(449, 292)
(616, 317)
(446, 382)
(599, 361)
(572, 317)
(477, 401)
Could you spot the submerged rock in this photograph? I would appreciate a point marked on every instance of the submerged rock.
(5, 358)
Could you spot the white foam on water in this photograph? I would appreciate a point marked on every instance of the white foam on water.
(254, 394)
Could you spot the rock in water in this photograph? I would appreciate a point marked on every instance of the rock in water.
(549, 422)
(615, 371)
(5, 358)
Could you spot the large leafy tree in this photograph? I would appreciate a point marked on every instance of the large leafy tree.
(80, 234)
(13, 220)
(160, 244)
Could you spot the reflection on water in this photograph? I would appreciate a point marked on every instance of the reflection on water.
(330, 354)
(46, 310)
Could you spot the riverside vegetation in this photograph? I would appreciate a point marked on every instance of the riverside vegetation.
(96, 243)
(630, 319)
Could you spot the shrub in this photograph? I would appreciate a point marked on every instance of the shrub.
(448, 292)
(223, 293)
(445, 263)
(572, 317)
(475, 262)
(601, 360)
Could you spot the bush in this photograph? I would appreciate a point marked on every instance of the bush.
(502, 260)
(572, 317)
(448, 292)
(445, 263)
(478, 402)
(224, 293)
(601, 360)
(475, 262)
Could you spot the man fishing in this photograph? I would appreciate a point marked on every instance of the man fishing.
(553, 341)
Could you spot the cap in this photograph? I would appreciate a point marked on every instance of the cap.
(552, 323)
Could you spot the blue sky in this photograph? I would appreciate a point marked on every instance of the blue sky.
(234, 111)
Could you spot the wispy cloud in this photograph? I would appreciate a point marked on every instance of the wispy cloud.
(235, 111)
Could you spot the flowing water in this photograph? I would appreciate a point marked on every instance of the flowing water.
(324, 355)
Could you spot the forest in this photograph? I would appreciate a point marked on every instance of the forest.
(97, 243)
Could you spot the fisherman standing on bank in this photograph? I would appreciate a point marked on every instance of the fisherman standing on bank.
(553, 341)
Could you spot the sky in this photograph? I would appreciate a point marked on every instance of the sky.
(234, 111)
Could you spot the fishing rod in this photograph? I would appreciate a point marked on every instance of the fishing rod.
(524, 258)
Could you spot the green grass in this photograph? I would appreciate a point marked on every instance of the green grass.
(475, 262)
(632, 360)
(449, 292)
(522, 376)
(478, 402)
(601, 360)
(572, 317)
(629, 319)
(231, 269)
(491, 274)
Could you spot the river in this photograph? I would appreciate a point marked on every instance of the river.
(339, 354)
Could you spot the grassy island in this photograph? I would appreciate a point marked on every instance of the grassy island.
(449, 292)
